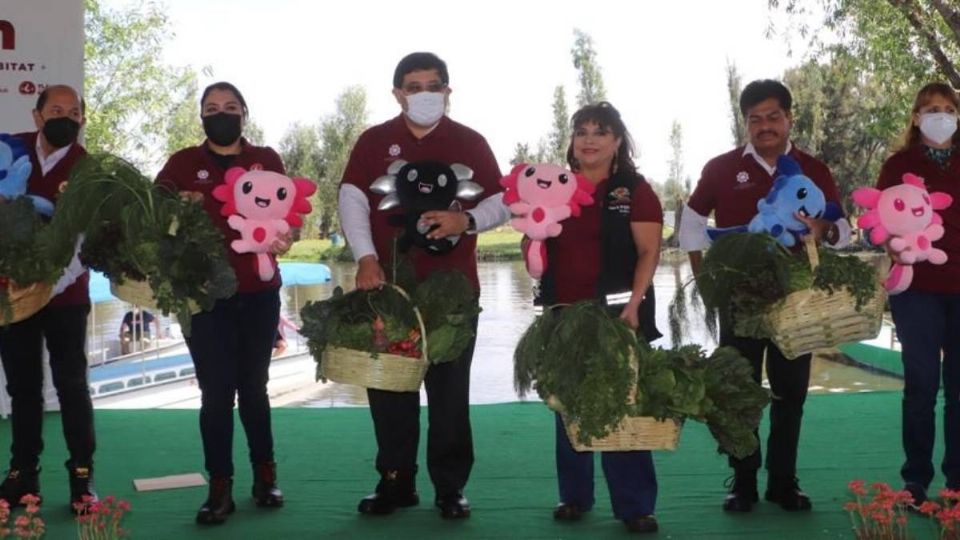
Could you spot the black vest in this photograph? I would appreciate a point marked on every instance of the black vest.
(618, 255)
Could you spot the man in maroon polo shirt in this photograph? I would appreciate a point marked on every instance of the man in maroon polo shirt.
(62, 324)
(421, 132)
(730, 186)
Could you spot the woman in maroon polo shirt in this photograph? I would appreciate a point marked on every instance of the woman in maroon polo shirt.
(608, 253)
(927, 315)
(231, 345)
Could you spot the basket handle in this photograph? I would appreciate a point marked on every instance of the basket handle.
(416, 311)
(810, 243)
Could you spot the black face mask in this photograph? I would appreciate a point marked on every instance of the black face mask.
(222, 129)
(60, 132)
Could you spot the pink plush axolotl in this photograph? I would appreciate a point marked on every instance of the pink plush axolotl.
(262, 206)
(541, 196)
(904, 214)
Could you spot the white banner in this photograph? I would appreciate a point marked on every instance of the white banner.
(41, 44)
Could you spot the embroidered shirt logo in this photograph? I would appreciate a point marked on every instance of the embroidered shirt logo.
(619, 200)
(256, 167)
(394, 150)
(203, 176)
(743, 177)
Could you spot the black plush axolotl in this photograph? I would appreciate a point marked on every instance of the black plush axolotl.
(421, 186)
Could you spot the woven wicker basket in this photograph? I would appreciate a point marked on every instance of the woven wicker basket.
(26, 301)
(633, 433)
(384, 372)
(816, 319)
(140, 294)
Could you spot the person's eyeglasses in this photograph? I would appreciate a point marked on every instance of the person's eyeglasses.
(417, 88)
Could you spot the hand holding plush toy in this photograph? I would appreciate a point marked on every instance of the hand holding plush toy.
(541, 196)
(262, 206)
(905, 215)
(15, 169)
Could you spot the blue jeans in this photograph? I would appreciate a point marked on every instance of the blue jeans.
(928, 326)
(631, 478)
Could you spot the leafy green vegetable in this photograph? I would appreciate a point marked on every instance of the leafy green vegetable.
(581, 356)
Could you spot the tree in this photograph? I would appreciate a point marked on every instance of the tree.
(676, 188)
(300, 150)
(522, 154)
(734, 87)
(338, 134)
(901, 40)
(585, 61)
(127, 88)
(184, 127)
(845, 117)
(559, 137)
(253, 132)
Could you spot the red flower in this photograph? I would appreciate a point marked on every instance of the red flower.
(856, 486)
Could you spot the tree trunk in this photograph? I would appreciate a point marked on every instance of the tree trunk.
(951, 15)
(915, 16)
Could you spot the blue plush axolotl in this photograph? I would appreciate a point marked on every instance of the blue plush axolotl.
(792, 194)
(15, 170)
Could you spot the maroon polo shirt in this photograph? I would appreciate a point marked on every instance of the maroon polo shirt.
(731, 184)
(49, 187)
(575, 255)
(195, 169)
(449, 142)
(927, 277)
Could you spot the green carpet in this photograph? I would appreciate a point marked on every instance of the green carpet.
(325, 465)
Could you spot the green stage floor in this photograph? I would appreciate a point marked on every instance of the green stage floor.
(325, 465)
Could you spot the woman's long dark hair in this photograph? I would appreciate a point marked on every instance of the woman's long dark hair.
(606, 116)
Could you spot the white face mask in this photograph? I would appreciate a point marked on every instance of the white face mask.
(425, 108)
(938, 127)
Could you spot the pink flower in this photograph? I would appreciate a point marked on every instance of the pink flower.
(851, 506)
(929, 508)
(22, 521)
(856, 486)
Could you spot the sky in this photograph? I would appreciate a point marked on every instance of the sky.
(661, 61)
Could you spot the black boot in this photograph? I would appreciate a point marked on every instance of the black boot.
(785, 491)
(82, 495)
(219, 504)
(743, 492)
(19, 482)
(265, 490)
(396, 489)
(453, 506)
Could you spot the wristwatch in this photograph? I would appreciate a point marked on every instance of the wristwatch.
(471, 224)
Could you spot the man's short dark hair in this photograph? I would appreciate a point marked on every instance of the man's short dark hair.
(45, 95)
(762, 90)
(420, 61)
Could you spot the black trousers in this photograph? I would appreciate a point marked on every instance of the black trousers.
(789, 379)
(231, 347)
(396, 420)
(21, 349)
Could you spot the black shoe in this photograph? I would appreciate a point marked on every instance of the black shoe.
(919, 494)
(396, 489)
(219, 504)
(568, 512)
(787, 493)
(642, 524)
(743, 492)
(82, 494)
(265, 490)
(19, 482)
(453, 506)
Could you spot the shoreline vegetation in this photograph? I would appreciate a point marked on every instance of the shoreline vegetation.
(499, 245)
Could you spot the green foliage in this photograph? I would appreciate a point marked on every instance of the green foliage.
(558, 139)
(449, 305)
(846, 117)
(135, 229)
(581, 356)
(676, 188)
(130, 94)
(184, 128)
(738, 131)
(23, 257)
(446, 302)
(743, 275)
(585, 61)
